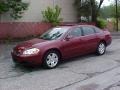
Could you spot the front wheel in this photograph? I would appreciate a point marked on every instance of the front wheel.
(51, 59)
(101, 49)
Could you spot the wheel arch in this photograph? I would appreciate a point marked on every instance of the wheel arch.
(103, 42)
(54, 49)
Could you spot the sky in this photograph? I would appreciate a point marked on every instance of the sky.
(107, 2)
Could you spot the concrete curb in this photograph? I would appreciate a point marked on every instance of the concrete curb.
(115, 33)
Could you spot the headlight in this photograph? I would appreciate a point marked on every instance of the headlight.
(31, 51)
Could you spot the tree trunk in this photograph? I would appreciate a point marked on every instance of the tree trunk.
(93, 11)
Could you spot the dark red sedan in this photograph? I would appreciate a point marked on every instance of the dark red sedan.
(60, 43)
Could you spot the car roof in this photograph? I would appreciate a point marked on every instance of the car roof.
(74, 26)
(66, 27)
(86, 25)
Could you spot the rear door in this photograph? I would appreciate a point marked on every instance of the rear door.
(89, 38)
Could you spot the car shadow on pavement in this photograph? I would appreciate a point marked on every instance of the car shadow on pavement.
(74, 59)
(29, 68)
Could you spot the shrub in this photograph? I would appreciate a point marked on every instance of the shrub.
(51, 15)
(101, 23)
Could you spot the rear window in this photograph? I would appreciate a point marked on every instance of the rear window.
(97, 30)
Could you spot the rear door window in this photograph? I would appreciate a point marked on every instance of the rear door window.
(88, 30)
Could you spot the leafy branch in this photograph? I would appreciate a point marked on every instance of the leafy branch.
(15, 7)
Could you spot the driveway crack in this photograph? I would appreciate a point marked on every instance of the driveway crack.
(89, 76)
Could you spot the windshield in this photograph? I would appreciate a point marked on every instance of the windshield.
(53, 33)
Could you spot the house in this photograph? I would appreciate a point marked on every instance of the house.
(33, 14)
(30, 24)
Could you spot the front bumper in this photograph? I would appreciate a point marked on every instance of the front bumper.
(31, 60)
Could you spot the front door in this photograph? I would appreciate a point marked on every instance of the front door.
(72, 44)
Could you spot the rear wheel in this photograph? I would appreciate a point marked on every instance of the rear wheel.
(51, 59)
(101, 49)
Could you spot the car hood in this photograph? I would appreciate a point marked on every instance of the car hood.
(30, 43)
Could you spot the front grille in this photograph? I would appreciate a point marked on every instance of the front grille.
(18, 51)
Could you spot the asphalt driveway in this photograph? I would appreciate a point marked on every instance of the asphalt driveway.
(89, 72)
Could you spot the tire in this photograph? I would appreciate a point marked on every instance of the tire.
(101, 48)
(51, 59)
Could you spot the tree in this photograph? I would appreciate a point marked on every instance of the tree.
(116, 1)
(107, 11)
(14, 7)
(83, 9)
(110, 11)
(93, 7)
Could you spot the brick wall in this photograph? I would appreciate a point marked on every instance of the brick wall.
(25, 29)
(22, 29)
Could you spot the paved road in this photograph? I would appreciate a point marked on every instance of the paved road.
(89, 72)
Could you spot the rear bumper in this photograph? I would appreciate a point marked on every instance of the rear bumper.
(31, 60)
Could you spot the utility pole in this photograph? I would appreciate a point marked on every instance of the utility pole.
(54, 3)
(116, 14)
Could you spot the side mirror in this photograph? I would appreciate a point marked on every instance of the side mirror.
(68, 37)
